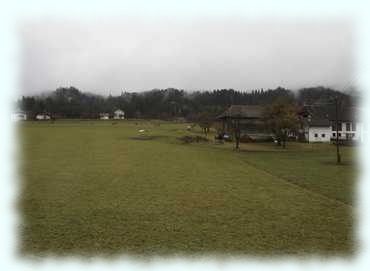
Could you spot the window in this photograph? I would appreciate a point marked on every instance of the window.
(339, 134)
(350, 135)
(348, 126)
(316, 135)
(353, 126)
(334, 134)
(322, 135)
(334, 126)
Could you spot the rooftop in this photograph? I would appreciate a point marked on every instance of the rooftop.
(243, 112)
(328, 113)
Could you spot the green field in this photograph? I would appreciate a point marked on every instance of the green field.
(94, 188)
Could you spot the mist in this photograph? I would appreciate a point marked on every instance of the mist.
(136, 55)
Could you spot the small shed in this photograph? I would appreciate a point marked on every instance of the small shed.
(119, 114)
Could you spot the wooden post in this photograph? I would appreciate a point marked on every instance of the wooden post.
(237, 134)
(339, 160)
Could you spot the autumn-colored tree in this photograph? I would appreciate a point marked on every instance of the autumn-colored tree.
(204, 120)
(281, 118)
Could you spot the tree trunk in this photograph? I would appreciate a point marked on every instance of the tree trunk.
(284, 139)
(278, 141)
(237, 135)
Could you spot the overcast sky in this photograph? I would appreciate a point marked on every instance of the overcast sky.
(136, 54)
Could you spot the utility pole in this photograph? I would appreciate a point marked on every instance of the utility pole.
(337, 105)
(337, 129)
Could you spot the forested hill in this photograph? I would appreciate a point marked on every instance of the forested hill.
(166, 103)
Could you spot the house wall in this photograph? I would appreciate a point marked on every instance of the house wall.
(319, 134)
(18, 116)
(359, 132)
(119, 116)
(355, 131)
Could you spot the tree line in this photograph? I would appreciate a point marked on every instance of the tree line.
(170, 103)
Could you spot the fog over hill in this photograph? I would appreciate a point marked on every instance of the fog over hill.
(132, 54)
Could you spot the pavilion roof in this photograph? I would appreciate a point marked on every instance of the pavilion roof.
(242, 112)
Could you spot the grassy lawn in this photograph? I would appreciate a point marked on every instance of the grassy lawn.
(94, 188)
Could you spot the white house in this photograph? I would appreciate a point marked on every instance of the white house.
(320, 125)
(43, 116)
(119, 114)
(18, 115)
(104, 116)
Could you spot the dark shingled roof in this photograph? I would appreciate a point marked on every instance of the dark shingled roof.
(324, 115)
(328, 112)
(242, 112)
(319, 122)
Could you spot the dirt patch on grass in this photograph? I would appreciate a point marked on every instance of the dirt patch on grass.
(334, 163)
(261, 151)
(193, 202)
(146, 137)
(192, 139)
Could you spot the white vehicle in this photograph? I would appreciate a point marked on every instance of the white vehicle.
(104, 116)
(43, 117)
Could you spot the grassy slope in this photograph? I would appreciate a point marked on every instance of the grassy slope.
(89, 188)
(311, 166)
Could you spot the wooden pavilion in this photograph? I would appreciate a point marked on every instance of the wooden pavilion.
(242, 118)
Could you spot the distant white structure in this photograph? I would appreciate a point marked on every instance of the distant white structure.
(104, 116)
(119, 115)
(18, 115)
(318, 133)
(352, 131)
(317, 129)
(43, 116)
(320, 125)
